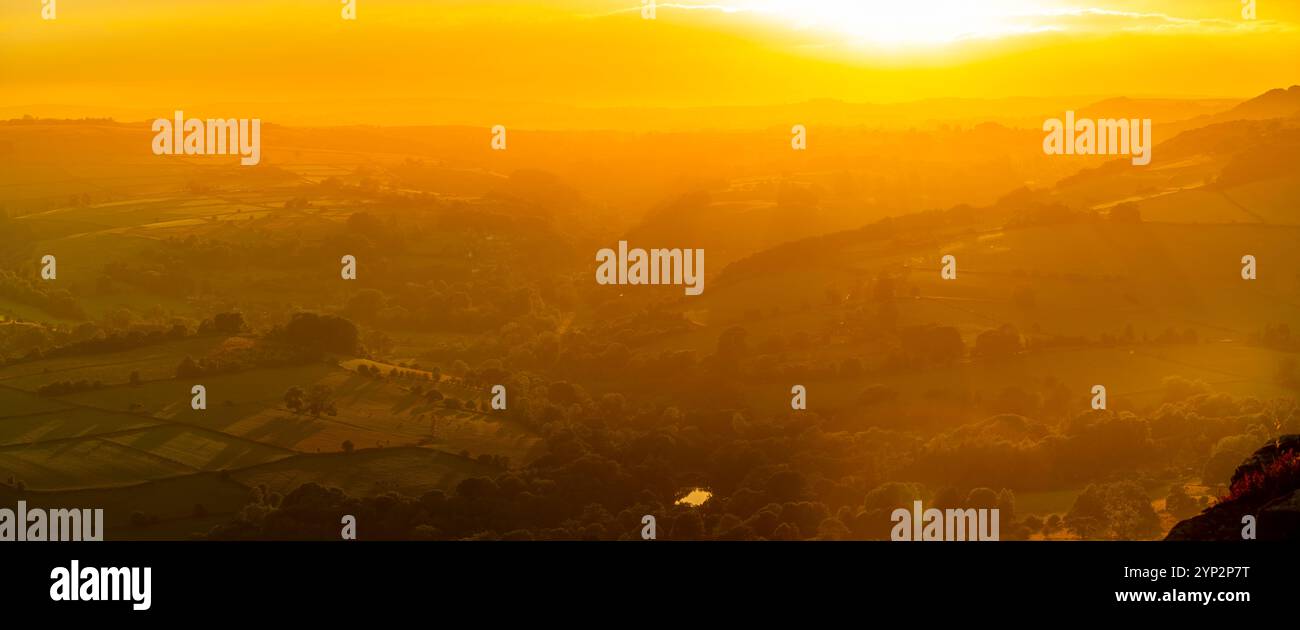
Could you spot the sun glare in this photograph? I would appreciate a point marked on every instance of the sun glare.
(910, 22)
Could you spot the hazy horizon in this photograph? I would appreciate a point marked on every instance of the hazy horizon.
(103, 57)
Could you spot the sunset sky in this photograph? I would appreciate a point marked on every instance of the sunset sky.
(119, 58)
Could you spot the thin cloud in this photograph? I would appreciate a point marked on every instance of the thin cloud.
(1003, 22)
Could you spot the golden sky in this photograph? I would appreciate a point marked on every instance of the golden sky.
(417, 55)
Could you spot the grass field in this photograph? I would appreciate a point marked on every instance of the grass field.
(366, 472)
(68, 423)
(81, 450)
(156, 362)
(84, 462)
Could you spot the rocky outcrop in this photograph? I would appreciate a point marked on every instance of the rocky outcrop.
(1272, 498)
(1266, 455)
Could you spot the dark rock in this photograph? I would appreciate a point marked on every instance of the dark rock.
(1280, 519)
(1277, 517)
(1265, 456)
(1221, 522)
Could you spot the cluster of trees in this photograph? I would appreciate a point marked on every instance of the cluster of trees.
(58, 302)
(315, 401)
(1181, 505)
(118, 341)
(609, 461)
(257, 356)
(1019, 452)
(397, 373)
(1119, 510)
(579, 500)
(1207, 433)
(91, 338)
(443, 306)
(608, 464)
(1278, 337)
(63, 388)
(230, 323)
(318, 333)
(933, 344)
(261, 353)
(483, 284)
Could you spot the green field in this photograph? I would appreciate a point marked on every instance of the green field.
(84, 462)
(68, 423)
(123, 434)
(152, 362)
(367, 472)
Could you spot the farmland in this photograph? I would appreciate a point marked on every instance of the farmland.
(199, 360)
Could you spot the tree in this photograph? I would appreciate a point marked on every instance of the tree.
(1127, 212)
(984, 498)
(318, 401)
(1179, 504)
(687, 526)
(1118, 510)
(328, 333)
(347, 446)
(940, 344)
(1002, 341)
(229, 323)
(732, 345)
(1007, 505)
(188, 368)
(314, 402)
(833, 529)
(293, 399)
(562, 393)
(1226, 455)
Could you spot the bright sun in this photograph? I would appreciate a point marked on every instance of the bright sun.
(909, 22)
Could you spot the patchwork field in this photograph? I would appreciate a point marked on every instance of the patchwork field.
(135, 445)
(479, 273)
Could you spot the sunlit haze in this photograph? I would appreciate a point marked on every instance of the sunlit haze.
(455, 62)
(893, 23)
